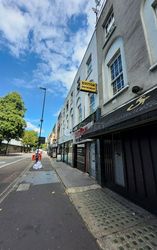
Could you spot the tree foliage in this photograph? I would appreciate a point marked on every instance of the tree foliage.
(44, 146)
(30, 138)
(12, 123)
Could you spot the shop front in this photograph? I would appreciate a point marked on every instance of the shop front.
(81, 157)
(128, 150)
(92, 158)
(64, 152)
(70, 151)
(85, 150)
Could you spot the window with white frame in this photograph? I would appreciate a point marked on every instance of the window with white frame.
(89, 65)
(116, 70)
(67, 106)
(91, 103)
(71, 119)
(63, 128)
(79, 113)
(64, 113)
(149, 21)
(67, 121)
(71, 98)
(78, 85)
(154, 5)
(79, 110)
(109, 24)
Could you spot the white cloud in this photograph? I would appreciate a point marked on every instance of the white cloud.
(41, 27)
(15, 27)
(31, 126)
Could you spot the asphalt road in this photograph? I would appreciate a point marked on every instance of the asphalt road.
(38, 214)
(11, 167)
(4, 160)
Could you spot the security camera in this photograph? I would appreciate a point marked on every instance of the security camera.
(136, 89)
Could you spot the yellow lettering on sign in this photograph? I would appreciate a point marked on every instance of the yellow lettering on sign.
(138, 102)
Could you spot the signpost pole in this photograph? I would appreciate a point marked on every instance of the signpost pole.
(41, 122)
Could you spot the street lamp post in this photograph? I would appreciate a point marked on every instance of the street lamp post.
(41, 122)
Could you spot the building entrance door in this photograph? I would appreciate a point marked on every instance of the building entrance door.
(118, 162)
(92, 160)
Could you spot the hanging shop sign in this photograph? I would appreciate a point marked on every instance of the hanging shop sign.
(87, 86)
(82, 130)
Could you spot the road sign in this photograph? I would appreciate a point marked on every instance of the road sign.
(42, 140)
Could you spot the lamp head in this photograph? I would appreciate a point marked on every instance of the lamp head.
(43, 88)
(136, 89)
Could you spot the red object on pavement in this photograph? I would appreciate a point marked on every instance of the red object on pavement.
(34, 157)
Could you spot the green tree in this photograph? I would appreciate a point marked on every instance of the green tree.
(30, 139)
(44, 146)
(12, 123)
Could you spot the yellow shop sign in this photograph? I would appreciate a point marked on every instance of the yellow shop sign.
(86, 86)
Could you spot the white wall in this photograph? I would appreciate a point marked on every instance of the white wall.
(66, 133)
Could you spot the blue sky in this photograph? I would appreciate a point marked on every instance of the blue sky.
(42, 44)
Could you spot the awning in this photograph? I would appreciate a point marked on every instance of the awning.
(83, 141)
(141, 110)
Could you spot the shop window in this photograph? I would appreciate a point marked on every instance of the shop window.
(89, 65)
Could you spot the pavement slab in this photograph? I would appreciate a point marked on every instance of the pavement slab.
(140, 237)
(72, 177)
(81, 189)
(116, 223)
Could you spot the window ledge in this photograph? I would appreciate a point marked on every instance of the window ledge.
(108, 37)
(121, 91)
(153, 67)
